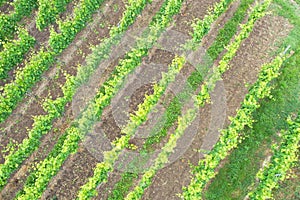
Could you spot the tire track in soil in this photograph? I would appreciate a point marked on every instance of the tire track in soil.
(84, 161)
(92, 34)
(245, 67)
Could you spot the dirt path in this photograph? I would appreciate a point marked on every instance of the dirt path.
(60, 182)
(245, 66)
(168, 181)
(15, 126)
(182, 22)
(83, 161)
(41, 38)
(6, 7)
(71, 57)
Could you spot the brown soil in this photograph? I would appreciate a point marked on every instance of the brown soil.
(94, 36)
(108, 124)
(69, 179)
(18, 178)
(6, 7)
(157, 55)
(245, 66)
(115, 175)
(256, 50)
(50, 86)
(41, 38)
(78, 167)
(139, 96)
(60, 183)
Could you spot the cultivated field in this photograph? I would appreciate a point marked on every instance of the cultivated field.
(149, 99)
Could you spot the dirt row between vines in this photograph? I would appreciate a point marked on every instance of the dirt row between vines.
(41, 38)
(21, 118)
(253, 53)
(70, 57)
(170, 179)
(80, 165)
(194, 9)
(75, 54)
(6, 7)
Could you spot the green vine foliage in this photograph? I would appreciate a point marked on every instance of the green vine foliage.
(13, 92)
(47, 168)
(8, 22)
(136, 119)
(2, 2)
(162, 158)
(70, 27)
(13, 52)
(284, 158)
(48, 10)
(229, 138)
(27, 77)
(55, 108)
(200, 30)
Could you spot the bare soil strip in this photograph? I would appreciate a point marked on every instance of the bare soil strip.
(14, 128)
(91, 35)
(168, 182)
(74, 54)
(63, 181)
(245, 66)
(6, 7)
(115, 176)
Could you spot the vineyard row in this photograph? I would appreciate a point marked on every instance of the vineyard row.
(185, 120)
(284, 158)
(69, 144)
(55, 108)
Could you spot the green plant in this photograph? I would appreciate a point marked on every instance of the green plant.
(68, 142)
(172, 114)
(284, 157)
(13, 52)
(27, 77)
(2, 2)
(162, 158)
(43, 123)
(48, 10)
(230, 137)
(8, 22)
(70, 27)
(116, 7)
(230, 28)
